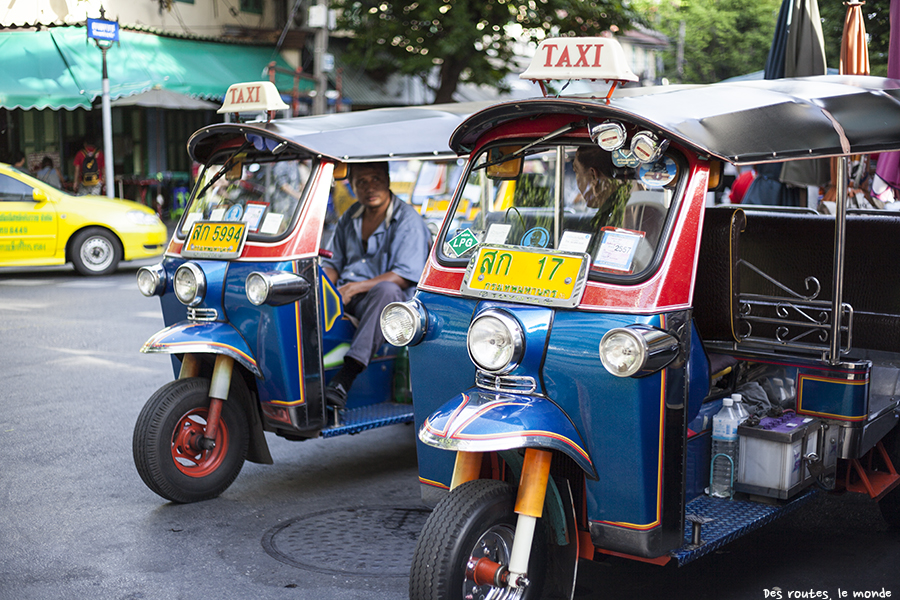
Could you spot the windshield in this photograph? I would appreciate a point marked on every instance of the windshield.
(568, 198)
(265, 195)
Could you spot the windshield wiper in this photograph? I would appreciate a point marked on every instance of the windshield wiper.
(552, 135)
(225, 168)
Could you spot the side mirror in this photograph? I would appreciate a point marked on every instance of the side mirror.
(235, 172)
(507, 169)
(716, 181)
(38, 195)
(341, 171)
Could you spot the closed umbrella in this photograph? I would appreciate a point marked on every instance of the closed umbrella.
(854, 51)
(889, 163)
(854, 61)
(775, 61)
(804, 56)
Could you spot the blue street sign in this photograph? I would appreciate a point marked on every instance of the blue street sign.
(101, 29)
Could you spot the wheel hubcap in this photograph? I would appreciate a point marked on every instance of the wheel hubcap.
(97, 253)
(188, 456)
(496, 545)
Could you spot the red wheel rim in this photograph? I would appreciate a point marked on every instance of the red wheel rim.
(187, 455)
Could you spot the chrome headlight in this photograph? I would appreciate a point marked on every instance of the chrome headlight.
(638, 350)
(189, 284)
(151, 281)
(495, 342)
(404, 323)
(275, 288)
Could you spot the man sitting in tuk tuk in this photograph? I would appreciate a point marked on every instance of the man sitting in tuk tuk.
(379, 248)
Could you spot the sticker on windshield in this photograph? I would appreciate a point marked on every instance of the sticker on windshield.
(234, 213)
(463, 242)
(497, 233)
(624, 159)
(536, 237)
(617, 249)
(574, 241)
(658, 174)
(254, 214)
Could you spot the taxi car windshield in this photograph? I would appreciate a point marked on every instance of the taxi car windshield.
(569, 198)
(265, 195)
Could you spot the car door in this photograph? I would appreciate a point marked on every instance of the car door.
(28, 222)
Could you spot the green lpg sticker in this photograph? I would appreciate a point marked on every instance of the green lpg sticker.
(463, 242)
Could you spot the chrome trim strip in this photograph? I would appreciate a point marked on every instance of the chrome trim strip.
(505, 383)
(204, 315)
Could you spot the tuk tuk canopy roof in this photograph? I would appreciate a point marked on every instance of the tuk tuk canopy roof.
(740, 122)
(364, 136)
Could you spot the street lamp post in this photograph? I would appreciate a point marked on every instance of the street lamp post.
(104, 33)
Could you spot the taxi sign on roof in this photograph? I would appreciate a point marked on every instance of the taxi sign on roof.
(256, 96)
(579, 58)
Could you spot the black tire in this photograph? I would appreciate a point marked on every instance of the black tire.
(167, 463)
(890, 503)
(475, 513)
(95, 251)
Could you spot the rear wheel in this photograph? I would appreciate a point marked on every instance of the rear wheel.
(166, 441)
(476, 520)
(95, 251)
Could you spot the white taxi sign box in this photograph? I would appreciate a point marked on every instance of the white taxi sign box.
(256, 96)
(595, 58)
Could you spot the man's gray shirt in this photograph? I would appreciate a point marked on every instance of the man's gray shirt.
(399, 244)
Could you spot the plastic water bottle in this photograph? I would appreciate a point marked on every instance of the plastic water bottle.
(738, 403)
(724, 441)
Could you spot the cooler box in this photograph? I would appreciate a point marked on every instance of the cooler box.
(770, 462)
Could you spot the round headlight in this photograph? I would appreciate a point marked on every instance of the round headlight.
(495, 342)
(151, 281)
(623, 352)
(189, 284)
(257, 289)
(403, 323)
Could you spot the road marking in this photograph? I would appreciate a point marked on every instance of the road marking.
(23, 306)
(26, 282)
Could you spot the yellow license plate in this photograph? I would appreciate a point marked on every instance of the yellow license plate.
(215, 239)
(530, 276)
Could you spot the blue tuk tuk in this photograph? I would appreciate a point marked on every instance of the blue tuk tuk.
(574, 335)
(254, 327)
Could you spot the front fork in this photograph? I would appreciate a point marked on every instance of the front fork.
(218, 392)
(529, 508)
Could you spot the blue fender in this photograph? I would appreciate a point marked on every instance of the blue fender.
(486, 421)
(203, 338)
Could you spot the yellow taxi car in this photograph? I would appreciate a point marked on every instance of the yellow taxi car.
(41, 225)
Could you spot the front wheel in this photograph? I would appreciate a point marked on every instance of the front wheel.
(95, 251)
(166, 436)
(476, 520)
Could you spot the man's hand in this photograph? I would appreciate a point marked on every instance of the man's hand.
(352, 288)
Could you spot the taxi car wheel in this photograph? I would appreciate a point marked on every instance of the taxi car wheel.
(95, 251)
(165, 444)
(475, 520)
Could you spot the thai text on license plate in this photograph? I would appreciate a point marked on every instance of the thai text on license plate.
(215, 239)
(530, 276)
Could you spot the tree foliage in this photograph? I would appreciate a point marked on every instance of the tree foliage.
(722, 38)
(726, 38)
(464, 40)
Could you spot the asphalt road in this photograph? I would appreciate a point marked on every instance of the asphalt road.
(331, 519)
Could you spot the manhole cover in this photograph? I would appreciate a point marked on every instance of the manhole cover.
(375, 542)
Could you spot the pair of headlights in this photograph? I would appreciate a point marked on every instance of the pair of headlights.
(189, 283)
(496, 341)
